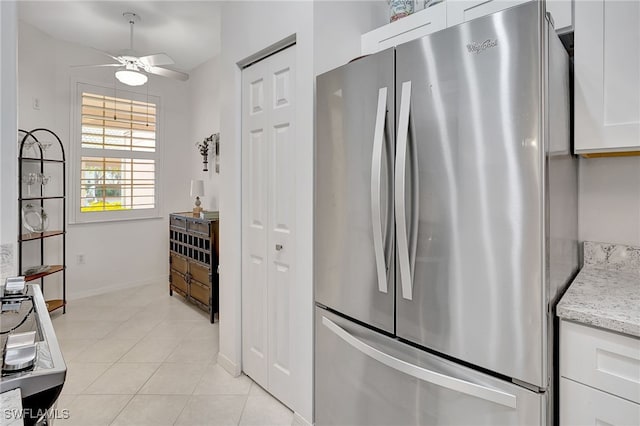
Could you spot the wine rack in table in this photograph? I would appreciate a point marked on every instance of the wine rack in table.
(193, 260)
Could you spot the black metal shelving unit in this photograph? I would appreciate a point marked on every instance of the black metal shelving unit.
(30, 139)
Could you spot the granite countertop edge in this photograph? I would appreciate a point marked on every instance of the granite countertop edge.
(604, 298)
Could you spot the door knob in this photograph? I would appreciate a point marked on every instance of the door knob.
(279, 247)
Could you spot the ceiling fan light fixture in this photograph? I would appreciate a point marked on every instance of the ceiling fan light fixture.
(131, 77)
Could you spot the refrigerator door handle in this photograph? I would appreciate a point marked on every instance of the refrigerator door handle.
(400, 185)
(439, 379)
(376, 184)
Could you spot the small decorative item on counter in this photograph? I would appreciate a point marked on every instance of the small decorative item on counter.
(400, 8)
(197, 190)
(204, 147)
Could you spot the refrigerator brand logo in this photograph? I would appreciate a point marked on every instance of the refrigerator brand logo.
(475, 47)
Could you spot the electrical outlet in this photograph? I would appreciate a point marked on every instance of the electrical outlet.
(80, 259)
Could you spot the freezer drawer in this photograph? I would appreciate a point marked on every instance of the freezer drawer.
(365, 378)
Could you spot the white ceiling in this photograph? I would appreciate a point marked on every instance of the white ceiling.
(187, 31)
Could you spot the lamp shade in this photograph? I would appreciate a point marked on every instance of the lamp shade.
(197, 187)
(131, 78)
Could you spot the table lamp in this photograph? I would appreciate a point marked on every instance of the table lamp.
(197, 189)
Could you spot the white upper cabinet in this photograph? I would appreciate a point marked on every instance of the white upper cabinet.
(562, 14)
(453, 12)
(409, 28)
(459, 11)
(607, 76)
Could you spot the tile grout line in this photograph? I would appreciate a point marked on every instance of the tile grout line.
(245, 402)
(153, 315)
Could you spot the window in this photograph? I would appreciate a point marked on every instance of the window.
(118, 155)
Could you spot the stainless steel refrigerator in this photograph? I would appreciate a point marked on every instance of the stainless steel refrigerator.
(445, 226)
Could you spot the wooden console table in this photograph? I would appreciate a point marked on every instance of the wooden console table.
(193, 260)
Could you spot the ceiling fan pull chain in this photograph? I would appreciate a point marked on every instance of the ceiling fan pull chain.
(131, 36)
(115, 88)
(148, 104)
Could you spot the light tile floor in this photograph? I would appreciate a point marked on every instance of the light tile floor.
(141, 357)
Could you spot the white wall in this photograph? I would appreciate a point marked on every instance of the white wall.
(248, 27)
(8, 132)
(338, 27)
(327, 35)
(204, 107)
(609, 200)
(117, 254)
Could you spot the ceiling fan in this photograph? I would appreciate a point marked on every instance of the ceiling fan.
(135, 67)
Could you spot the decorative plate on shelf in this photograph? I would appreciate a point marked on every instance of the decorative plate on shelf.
(34, 218)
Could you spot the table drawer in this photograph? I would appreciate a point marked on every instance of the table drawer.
(604, 360)
(200, 292)
(178, 222)
(199, 273)
(179, 282)
(178, 263)
(197, 227)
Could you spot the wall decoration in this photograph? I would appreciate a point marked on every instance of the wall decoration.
(204, 148)
(216, 144)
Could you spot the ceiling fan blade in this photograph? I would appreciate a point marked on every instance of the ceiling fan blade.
(105, 54)
(95, 66)
(169, 73)
(157, 59)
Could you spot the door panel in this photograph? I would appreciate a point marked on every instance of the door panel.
(282, 208)
(352, 185)
(365, 378)
(269, 214)
(200, 292)
(255, 131)
(199, 273)
(476, 155)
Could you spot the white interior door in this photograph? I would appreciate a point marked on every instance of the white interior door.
(268, 196)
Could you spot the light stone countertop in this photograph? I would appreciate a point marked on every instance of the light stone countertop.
(606, 292)
(11, 403)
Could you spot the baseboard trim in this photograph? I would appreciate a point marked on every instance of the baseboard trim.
(231, 367)
(298, 420)
(111, 288)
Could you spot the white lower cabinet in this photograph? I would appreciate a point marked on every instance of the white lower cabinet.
(600, 377)
(581, 405)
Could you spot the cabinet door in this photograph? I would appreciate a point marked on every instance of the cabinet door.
(601, 359)
(562, 13)
(406, 29)
(607, 76)
(178, 263)
(199, 273)
(459, 11)
(200, 292)
(179, 282)
(581, 405)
